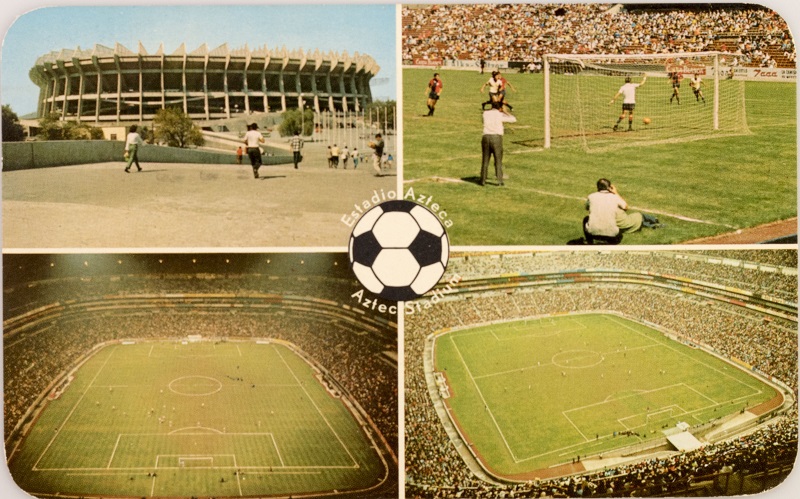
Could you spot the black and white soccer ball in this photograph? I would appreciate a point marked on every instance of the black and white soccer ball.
(399, 250)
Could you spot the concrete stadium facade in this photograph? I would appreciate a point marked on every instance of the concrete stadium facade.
(106, 84)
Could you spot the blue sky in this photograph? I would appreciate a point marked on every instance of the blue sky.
(366, 28)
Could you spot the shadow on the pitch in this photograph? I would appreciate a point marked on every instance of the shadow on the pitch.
(472, 180)
(269, 177)
(149, 171)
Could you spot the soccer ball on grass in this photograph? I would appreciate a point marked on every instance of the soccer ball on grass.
(646, 121)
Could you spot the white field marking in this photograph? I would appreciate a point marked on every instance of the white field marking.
(231, 467)
(636, 392)
(239, 350)
(100, 473)
(542, 334)
(238, 478)
(663, 408)
(702, 394)
(485, 404)
(590, 354)
(69, 415)
(150, 353)
(632, 349)
(614, 319)
(583, 198)
(277, 449)
(519, 369)
(564, 450)
(544, 323)
(564, 413)
(314, 404)
(219, 387)
(189, 428)
(284, 472)
(153, 487)
(114, 451)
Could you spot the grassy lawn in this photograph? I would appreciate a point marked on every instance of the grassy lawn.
(217, 419)
(531, 394)
(696, 187)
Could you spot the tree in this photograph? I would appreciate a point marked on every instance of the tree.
(12, 130)
(52, 128)
(293, 121)
(176, 129)
(72, 130)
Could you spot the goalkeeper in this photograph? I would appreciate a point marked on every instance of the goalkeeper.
(628, 93)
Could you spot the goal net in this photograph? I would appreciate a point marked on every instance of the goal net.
(579, 89)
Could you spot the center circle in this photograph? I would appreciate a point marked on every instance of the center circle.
(577, 359)
(195, 386)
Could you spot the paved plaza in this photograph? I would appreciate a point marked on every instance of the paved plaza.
(184, 205)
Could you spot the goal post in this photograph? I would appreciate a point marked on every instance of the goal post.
(578, 90)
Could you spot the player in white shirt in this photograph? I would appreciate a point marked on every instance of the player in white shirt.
(628, 93)
(492, 140)
(253, 139)
(697, 87)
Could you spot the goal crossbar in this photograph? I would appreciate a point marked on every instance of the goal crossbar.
(608, 66)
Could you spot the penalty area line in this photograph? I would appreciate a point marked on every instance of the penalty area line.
(578, 198)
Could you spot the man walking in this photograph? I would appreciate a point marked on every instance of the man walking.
(252, 139)
(377, 157)
(297, 145)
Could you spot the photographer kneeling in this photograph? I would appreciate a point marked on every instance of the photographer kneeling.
(608, 217)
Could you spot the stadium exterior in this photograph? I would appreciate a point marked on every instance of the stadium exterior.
(112, 85)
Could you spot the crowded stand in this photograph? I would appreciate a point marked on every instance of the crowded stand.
(754, 36)
(68, 316)
(434, 467)
(750, 270)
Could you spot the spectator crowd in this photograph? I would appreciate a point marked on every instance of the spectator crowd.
(525, 32)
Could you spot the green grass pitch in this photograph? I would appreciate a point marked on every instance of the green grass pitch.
(535, 393)
(223, 420)
(697, 188)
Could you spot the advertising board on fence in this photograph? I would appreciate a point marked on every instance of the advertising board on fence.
(762, 74)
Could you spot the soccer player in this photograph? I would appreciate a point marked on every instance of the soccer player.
(628, 93)
(434, 92)
(675, 79)
(503, 84)
(494, 89)
(697, 83)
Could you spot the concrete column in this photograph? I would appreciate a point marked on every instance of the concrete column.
(163, 82)
(264, 87)
(185, 90)
(329, 90)
(205, 89)
(98, 99)
(314, 91)
(67, 85)
(119, 93)
(141, 91)
(225, 86)
(282, 90)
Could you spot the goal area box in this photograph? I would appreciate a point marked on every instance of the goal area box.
(578, 90)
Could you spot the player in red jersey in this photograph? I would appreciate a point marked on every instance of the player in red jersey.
(433, 92)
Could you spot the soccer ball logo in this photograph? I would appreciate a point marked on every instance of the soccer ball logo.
(399, 250)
